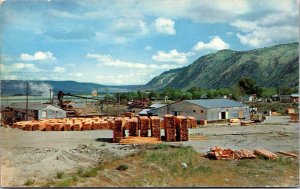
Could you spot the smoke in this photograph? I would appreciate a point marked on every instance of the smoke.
(42, 89)
(94, 92)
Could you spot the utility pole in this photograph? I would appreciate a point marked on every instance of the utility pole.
(50, 101)
(119, 106)
(106, 98)
(26, 118)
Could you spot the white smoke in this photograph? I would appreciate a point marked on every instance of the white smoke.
(42, 89)
(94, 92)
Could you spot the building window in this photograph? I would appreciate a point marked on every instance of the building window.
(44, 114)
(194, 111)
(201, 111)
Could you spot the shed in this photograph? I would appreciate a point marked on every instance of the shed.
(206, 109)
(37, 110)
(157, 105)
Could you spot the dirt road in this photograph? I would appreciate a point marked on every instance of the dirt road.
(40, 155)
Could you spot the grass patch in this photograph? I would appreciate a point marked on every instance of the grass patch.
(65, 183)
(80, 170)
(60, 174)
(90, 172)
(29, 182)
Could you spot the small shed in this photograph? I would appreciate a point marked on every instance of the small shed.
(205, 109)
(37, 111)
(294, 97)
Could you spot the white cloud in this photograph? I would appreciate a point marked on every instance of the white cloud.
(2, 67)
(76, 74)
(165, 26)
(245, 26)
(108, 60)
(173, 56)
(213, 45)
(58, 69)
(23, 67)
(41, 56)
(148, 48)
(264, 36)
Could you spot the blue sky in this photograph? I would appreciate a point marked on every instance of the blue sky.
(123, 42)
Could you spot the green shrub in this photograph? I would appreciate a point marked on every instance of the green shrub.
(122, 167)
(29, 182)
(60, 174)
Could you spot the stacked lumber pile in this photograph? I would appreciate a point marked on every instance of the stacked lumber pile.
(155, 127)
(220, 153)
(265, 153)
(117, 130)
(243, 154)
(246, 123)
(144, 121)
(133, 127)
(140, 140)
(198, 137)
(182, 133)
(289, 154)
(169, 128)
(294, 117)
(192, 122)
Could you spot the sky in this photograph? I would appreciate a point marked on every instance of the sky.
(128, 42)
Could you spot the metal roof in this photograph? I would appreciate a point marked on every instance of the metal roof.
(295, 95)
(31, 105)
(157, 105)
(144, 112)
(216, 103)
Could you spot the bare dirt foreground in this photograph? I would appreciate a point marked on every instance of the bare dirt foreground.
(41, 155)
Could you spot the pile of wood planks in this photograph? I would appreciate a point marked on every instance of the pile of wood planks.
(140, 140)
(117, 130)
(290, 154)
(220, 153)
(144, 127)
(133, 127)
(243, 154)
(169, 128)
(181, 128)
(155, 127)
(265, 153)
(192, 122)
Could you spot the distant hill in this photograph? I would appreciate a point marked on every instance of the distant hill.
(274, 66)
(13, 87)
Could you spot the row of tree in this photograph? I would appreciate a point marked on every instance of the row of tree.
(246, 86)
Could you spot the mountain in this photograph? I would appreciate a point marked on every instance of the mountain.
(13, 87)
(274, 66)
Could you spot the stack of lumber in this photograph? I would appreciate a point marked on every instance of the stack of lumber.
(246, 123)
(265, 153)
(68, 126)
(144, 121)
(117, 130)
(220, 153)
(169, 128)
(133, 127)
(58, 127)
(129, 114)
(155, 127)
(294, 117)
(181, 128)
(140, 140)
(289, 154)
(192, 122)
(198, 137)
(243, 154)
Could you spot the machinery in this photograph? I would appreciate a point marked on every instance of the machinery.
(258, 117)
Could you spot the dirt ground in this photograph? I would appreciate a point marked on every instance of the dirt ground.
(40, 155)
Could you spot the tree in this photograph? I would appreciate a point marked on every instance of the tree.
(249, 86)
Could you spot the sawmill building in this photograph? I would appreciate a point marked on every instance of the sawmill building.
(205, 109)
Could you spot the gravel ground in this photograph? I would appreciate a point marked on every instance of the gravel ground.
(39, 155)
